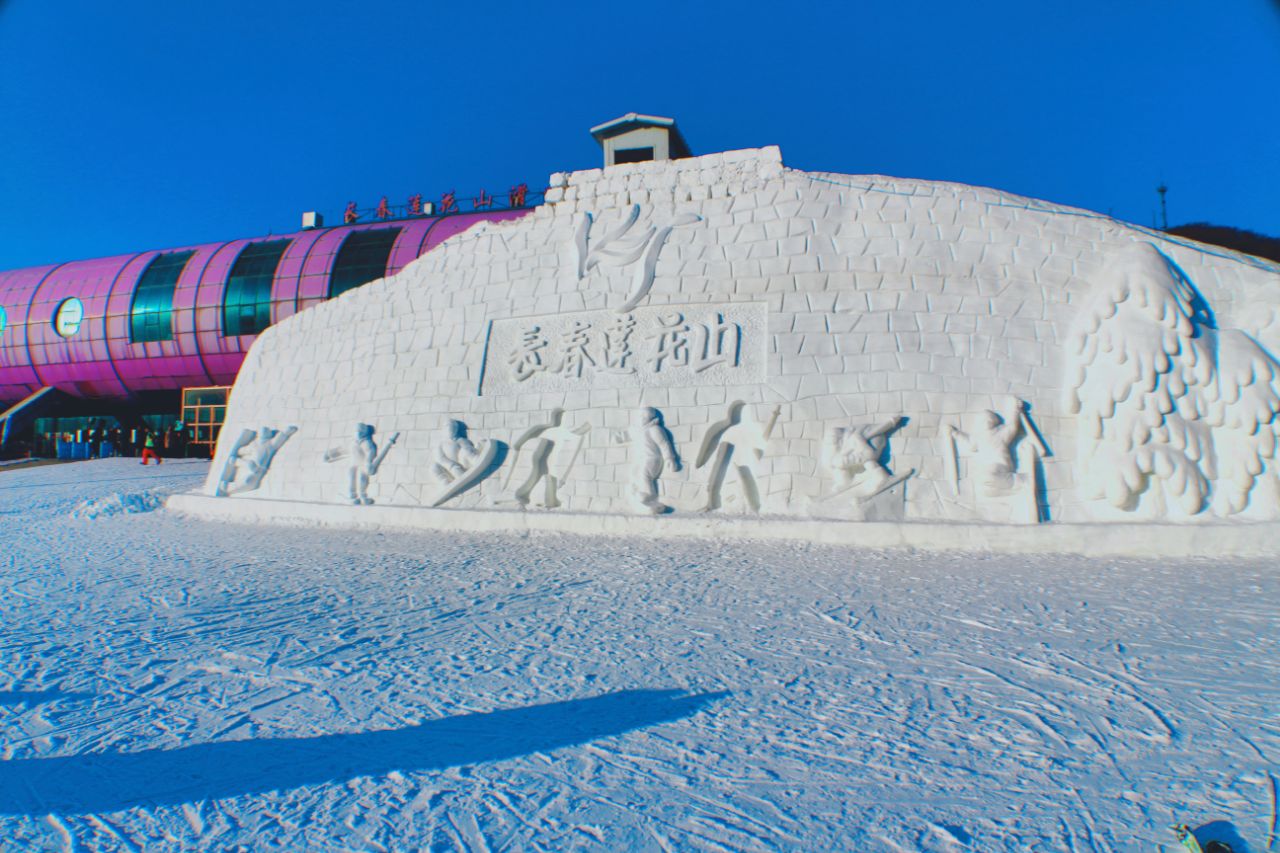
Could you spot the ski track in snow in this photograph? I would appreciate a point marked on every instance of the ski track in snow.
(167, 683)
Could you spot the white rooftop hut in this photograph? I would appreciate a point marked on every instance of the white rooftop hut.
(635, 138)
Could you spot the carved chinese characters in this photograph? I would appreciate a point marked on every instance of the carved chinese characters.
(527, 358)
(676, 345)
(618, 356)
(697, 345)
(573, 347)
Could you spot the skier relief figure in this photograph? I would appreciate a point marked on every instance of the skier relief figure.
(992, 467)
(652, 449)
(852, 455)
(554, 450)
(735, 444)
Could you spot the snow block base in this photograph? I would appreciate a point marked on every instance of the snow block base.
(1090, 540)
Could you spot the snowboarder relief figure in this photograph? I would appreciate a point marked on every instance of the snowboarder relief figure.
(652, 448)
(455, 453)
(459, 465)
(738, 444)
(992, 468)
(365, 461)
(555, 450)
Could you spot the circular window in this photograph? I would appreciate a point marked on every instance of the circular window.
(66, 321)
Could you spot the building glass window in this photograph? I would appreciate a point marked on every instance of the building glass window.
(246, 302)
(203, 412)
(151, 317)
(361, 259)
(68, 317)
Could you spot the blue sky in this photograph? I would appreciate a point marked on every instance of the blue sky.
(140, 125)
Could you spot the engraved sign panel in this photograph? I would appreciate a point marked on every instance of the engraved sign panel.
(666, 345)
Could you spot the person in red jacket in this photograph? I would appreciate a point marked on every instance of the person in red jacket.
(149, 449)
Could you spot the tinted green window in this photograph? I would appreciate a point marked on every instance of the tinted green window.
(246, 303)
(362, 258)
(151, 317)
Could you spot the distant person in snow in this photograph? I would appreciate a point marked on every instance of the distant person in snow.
(149, 449)
(177, 440)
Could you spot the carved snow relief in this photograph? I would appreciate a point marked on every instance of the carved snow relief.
(364, 458)
(652, 451)
(1174, 414)
(250, 459)
(1001, 453)
(624, 246)
(735, 444)
(552, 450)
(458, 463)
(855, 457)
(834, 349)
(671, 345)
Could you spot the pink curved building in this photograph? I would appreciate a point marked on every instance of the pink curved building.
(115, 330)
(152, 321)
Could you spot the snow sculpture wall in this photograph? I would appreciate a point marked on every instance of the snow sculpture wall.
(722, 334)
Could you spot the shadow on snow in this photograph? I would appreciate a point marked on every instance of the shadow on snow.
(38, 697)
(112, 781)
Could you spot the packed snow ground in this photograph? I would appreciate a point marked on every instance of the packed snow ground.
(168, 683)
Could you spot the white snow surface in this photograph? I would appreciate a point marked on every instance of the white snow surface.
(167, 683)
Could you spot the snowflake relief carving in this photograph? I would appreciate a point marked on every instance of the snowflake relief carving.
(625, 246)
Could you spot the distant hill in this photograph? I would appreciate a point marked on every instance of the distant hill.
(1238, 239)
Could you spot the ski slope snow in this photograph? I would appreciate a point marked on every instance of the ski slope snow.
(168, 683)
